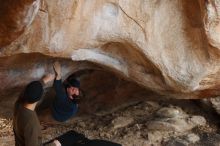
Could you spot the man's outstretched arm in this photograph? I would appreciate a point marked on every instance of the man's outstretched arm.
(60, 93)
(57, 70)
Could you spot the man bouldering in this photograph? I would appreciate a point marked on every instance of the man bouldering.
(64, 105)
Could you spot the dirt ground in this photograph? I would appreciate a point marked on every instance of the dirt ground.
(132, 125)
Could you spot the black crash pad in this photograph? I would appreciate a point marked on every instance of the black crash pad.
(72, 138)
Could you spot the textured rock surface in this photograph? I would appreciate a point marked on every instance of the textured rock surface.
(216, 104)
(170, 47)
(174, 119)
(16, 16)
(121, 122)
(211, 104)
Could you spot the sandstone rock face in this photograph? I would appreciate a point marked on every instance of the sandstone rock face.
(16, 16)
(169, 47)
(212, 22)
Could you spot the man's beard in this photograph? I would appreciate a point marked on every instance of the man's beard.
(75, 98)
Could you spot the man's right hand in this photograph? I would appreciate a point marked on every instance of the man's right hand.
(57, 143)
(57, 69)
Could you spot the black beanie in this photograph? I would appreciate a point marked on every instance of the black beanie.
(33, 92)
(74, 82)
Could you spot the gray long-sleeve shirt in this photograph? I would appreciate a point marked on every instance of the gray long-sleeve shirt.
(26, 127)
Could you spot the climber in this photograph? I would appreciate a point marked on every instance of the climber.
(26, 125)
(65, 103)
